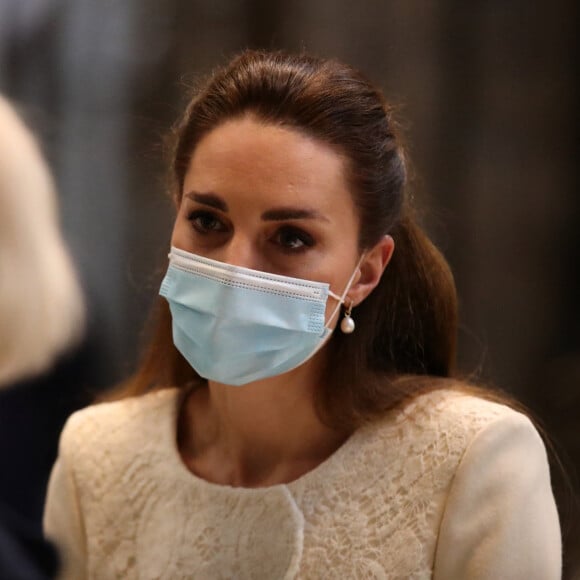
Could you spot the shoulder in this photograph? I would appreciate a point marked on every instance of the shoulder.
(447, 460)
(455, 415)
(476, 430)
(425, 439)
(118, 415)
(500, 517)
(429, 438)
(118, 423)
(452, 404)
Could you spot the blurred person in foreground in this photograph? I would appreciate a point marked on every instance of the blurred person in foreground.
(41, 319)
(298, 414)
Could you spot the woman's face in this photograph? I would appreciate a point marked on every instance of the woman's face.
(271, 199)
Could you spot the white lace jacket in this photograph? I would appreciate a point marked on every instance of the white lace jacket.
(453, 487)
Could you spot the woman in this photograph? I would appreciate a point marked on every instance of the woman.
(264, 442)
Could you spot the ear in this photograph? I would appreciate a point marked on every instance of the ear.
(371, 269)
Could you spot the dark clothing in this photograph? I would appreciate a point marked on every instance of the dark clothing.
(24, 553)
(32, 415)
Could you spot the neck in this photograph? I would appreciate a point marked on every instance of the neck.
(259, 434)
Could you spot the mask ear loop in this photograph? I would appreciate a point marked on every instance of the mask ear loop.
(341, 298)
(335, 311)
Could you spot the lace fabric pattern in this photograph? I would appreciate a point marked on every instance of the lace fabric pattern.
(378, 517)
(371, 510)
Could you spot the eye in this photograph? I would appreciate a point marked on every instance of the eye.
(206, 222)
(292, 239)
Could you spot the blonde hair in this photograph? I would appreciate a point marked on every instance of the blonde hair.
(41, 303)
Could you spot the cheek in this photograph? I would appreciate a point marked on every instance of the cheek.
(175, 236)
(182, 232)
(180, 237)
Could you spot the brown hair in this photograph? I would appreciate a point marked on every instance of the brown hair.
(407, 326)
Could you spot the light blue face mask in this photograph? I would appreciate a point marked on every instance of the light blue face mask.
(235, 325)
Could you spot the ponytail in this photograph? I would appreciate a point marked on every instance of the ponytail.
(415, 308)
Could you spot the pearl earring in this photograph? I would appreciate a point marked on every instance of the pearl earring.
(347, 323)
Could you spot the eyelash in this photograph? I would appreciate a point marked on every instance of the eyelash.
(290, 233)
(194, 216)
(306, 240)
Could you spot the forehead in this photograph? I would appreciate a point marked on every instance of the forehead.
(245, 157)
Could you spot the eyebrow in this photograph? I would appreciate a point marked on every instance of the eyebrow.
(274, 214)
(209, 199)
(291, 213)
